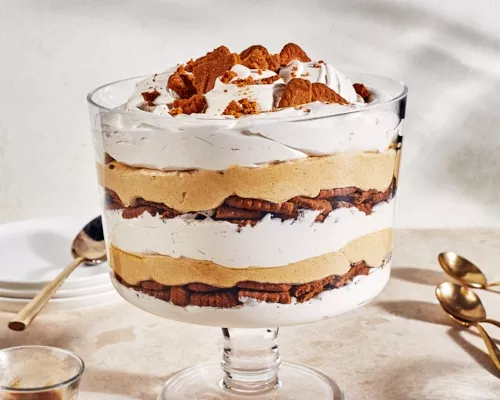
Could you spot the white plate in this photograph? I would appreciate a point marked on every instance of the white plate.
(64, 304)
(33, 252)
(61, 293)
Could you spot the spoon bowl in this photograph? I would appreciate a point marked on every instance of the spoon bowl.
(89, 243)
(462, 270)
(460, 302)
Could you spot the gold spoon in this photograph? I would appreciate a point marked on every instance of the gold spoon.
(88, 246)
(462, 303)
(464, 271)
(464, 307)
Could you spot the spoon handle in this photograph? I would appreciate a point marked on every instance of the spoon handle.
(491, 321)
(490, 345)
(30, 310)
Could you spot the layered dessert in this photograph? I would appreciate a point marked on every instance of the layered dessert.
(250, 189)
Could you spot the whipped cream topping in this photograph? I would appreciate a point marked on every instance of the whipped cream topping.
(270, 243)
(142, 135)
(257, 314)
(266, 95)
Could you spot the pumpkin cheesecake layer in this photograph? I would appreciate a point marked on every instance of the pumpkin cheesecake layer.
(200, 190)
(169, 271)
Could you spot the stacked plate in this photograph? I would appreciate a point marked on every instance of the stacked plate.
(33, 252)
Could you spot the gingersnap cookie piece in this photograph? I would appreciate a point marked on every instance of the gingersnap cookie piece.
(179, 296)
(149, 97)
(245, 53)
(153, 285)
(206, 73)
(309, 295)
(241, 107)
(359, 268)
(134, 212)
(312, 204)
(228, 212)
(265, 287)
(165, 211)
(297, 92)
(215, 54)
(202, 288)
(219, 300)
(159, 294)
(273, 62)
(362, 91)
(182, 83)
(300, 290)
(268, 297)
(256, 59)
(261, 205)
(228, 76)
(321, 92)
(290, 52)
(365, 207)
(329, 193)
(196, 104)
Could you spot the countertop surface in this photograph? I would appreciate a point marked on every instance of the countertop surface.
(401, 346)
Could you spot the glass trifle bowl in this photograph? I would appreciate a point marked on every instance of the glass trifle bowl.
(265, 199)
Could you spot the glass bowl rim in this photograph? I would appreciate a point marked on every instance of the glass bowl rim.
(67, 382)
(401, 95)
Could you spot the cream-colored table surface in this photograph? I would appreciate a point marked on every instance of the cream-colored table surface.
(401, 346)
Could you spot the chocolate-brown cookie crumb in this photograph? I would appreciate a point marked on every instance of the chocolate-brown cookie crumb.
(266, 287)
(297, 91)
(268, 297)
(362, 91)
(290, 52)
(179, 296)
(149, 97)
